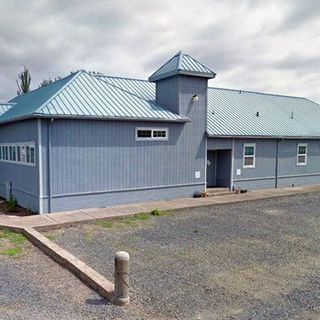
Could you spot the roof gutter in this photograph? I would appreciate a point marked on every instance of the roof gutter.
(101, 118)
(263, 137)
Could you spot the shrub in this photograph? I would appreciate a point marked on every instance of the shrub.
(156, 212)
(12, 204)
(159, 213)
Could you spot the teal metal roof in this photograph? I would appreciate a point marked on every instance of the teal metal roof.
(230, 113)
(4, 107)
(181, 63)
(244, 113)
(234, 112)
(142, 88)
(85, 95)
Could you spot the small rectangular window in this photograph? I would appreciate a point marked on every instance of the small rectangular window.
(23, 153)
(159, 133)
(249, 155)
(156, 134)
(144, 133)
(302, 154)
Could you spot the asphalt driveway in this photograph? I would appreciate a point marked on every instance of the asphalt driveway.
(254, 260)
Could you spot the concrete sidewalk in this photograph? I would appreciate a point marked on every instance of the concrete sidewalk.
(70, 218)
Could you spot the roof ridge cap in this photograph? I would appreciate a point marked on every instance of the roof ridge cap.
(119, 77)
(259, 92)
(75, 76)
(179, 60)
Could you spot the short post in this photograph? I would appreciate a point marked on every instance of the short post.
(121, 279)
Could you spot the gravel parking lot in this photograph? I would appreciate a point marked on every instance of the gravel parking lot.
(33, 287)
(254, 260)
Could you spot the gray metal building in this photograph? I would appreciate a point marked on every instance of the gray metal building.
(92, 140)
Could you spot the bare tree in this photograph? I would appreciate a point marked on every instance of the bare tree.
(24, 81)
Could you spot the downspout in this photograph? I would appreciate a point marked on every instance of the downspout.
(277, 165)
(232, 165)
(40, 166)
(49, 164)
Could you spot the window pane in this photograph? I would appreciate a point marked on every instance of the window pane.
(11, 153)
(14, 154)
(248, 161)
(32, 154)
(144, 134)
(302, 150)
(159, 133)
(301, 159)
(23, 154)
(28, 153)
(18, 153)
(6, 153)
(249, 151)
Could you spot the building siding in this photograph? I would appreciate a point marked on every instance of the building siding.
(24, 179)
(103, 157)
(264, 173)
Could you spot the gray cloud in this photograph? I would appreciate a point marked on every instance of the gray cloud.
(258, 45)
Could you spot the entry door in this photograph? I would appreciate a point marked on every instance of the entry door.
(211, 169)
(223, 175)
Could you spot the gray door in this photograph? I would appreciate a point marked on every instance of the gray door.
(211, 168)
(223, 172)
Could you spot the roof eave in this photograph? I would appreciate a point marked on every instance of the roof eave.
(101, 118)
(263, 137)
(181, 72)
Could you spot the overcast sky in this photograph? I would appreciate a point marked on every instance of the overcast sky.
(271, 46)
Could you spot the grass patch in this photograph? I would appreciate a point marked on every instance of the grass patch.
(105, 224)
(51, 237)
(11, 252)
(11, 243)
(14, 238)
(131, 221)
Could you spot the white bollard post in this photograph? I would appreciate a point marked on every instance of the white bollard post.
(121, 279)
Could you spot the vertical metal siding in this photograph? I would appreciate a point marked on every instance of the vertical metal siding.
(219, 143)
(24, 179)
(167, 93)
(265, 159)
(93, 159)
(263, 175)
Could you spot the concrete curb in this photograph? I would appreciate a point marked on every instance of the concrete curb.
(58, 220)
(88, 275)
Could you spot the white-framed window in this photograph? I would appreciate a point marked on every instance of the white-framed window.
(155, 134)
(302, 154)
(249, 155)
(18, 153)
